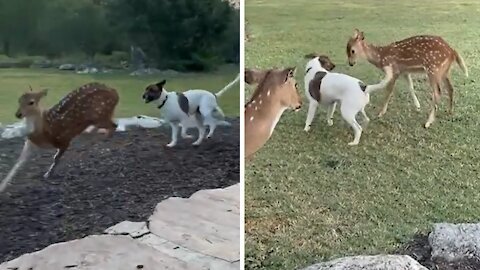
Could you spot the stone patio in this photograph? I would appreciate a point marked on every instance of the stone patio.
(200, 232)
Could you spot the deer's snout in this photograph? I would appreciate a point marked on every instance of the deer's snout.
(297, 107)
(19, 115)
(351, 62)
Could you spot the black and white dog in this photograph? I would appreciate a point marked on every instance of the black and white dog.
(329, 88)
(195, 106)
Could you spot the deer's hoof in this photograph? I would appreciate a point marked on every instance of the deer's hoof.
(46, 175)
(427, 125)
(353, 143)
(329, 123)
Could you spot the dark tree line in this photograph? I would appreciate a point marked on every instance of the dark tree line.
(179, 34)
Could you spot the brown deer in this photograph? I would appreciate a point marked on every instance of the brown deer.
(417, 54)
(276, 92)
(90, 105)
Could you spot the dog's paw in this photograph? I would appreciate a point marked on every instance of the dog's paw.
(353, 143)
(196, 143)
(172, 144)
(329, 122)
(307, 129)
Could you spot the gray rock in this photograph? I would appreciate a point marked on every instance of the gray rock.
(96, 252)
(88, 70)
(145, 71)
(44, 63)
(455, 241)
(67, 67)
(377, 262)
(134, 229)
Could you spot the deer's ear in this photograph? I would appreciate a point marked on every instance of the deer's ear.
(43, 93)
(289, 73)
(356, 33)
(254, 76)
(161, 84)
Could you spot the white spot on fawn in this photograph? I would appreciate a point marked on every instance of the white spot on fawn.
(251, 118)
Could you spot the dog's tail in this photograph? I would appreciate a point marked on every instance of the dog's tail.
(228, 86)
(461, 63)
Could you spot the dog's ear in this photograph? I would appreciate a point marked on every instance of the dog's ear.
(311, 55)
(326, 62)
(161, 84)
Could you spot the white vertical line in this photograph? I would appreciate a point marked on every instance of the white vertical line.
(242, 134)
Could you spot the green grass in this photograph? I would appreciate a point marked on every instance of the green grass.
(310, 197)
(15, 81)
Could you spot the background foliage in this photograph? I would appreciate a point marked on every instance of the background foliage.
(178, 34)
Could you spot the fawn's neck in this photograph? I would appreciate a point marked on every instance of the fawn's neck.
(374, 54)
(36, 122)
(261, 117)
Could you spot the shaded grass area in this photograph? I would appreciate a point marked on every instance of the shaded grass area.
(15, 81)
(310, 197)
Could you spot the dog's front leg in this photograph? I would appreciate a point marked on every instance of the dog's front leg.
(173, 142)
(331, 110)
(312, 108)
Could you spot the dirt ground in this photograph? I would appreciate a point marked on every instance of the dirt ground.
(102, 182)
(420, 250)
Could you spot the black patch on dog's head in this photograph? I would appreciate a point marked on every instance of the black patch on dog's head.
(153, 91)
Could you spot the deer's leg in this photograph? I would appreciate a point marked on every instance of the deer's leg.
(412, 91)
(56, 159)
(312, 108)
(449, 86)
(173, 142)
(348, 113)
(390, 91)
(391, 76)
(331, 110)
(27, 149)
(435, 100)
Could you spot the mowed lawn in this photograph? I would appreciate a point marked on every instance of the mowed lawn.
(13, 82)
(310, 197)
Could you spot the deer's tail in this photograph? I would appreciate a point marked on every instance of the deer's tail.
(228, 86)
(461, 63)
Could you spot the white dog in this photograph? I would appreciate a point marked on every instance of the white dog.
(328, 88)
(179, 109)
